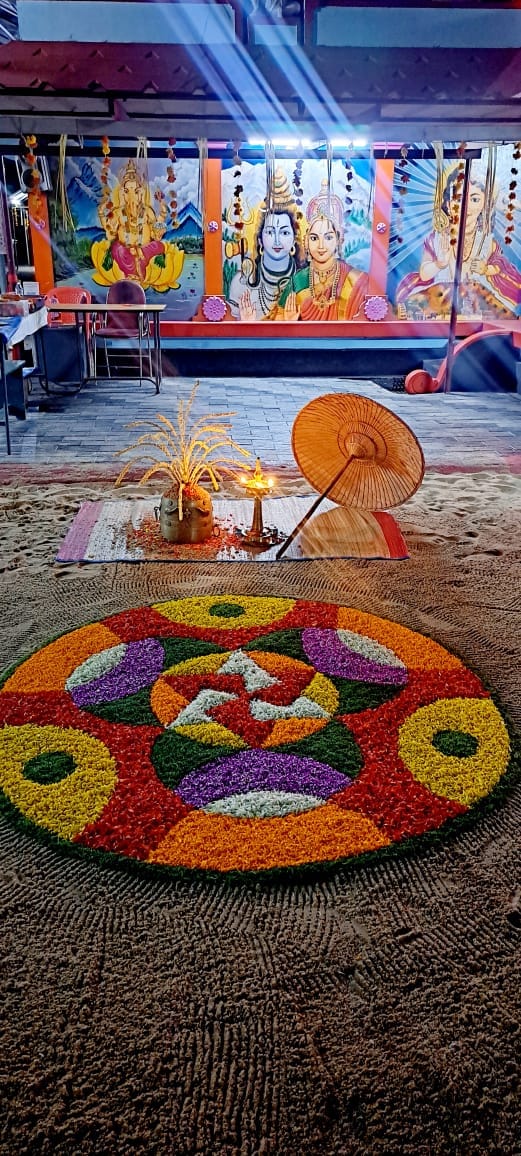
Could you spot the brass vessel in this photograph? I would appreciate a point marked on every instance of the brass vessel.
(195, 525)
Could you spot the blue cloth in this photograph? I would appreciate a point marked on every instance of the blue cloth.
(8, 327)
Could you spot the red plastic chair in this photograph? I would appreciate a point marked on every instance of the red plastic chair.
(71, 295)
(124, 326)
(67, 295)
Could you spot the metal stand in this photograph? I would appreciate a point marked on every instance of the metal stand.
(257, 535)
(457, 280)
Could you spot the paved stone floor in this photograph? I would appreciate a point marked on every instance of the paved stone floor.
(89, 426)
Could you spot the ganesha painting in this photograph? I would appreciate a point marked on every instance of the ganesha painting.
(134, 248)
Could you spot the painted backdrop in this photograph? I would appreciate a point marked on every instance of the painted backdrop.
(300, 248)
(130, 233)
(422, 258)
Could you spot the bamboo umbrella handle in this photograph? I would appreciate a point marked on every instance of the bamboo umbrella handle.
(312, 509)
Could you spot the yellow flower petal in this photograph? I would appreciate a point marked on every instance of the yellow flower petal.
(465, 780)
(67, 806)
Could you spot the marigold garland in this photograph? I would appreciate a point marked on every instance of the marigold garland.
(457, 195)
(402, 190)
(36, 197)
(106, 205)
(171, 181)
(511, 201)
(238, 216)
(231, 734)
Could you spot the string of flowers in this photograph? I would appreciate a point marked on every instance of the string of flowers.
(171, 180)
(457, 195)
(402, 190)
(511, 205)
(349, 184)
(36, 204)
(298, 190)
(106, 202)
(238, 222)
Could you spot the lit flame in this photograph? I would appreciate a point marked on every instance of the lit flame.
(258, 481)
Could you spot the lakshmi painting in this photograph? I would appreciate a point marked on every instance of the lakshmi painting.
(422, 260)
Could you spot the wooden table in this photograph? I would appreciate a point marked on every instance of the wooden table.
(81, 312)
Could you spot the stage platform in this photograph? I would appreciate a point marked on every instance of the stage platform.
(360, 348)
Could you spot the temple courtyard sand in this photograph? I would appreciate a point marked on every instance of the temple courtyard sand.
(374, 1008)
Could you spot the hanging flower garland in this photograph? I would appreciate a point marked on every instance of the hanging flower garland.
(298, 191)
(516, 155)
(36, 203)
(106, 202)
(402, 190)
(238, 221)
(171, 179)
(349, 184)
(457, 195)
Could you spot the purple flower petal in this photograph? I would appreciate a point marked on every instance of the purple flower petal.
(141, 664)
(331, 656)
(260, 770)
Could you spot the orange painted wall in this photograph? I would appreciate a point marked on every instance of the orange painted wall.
(212, 241)
(383, 198)
(41, 240)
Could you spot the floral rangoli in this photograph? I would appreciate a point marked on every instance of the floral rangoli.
(235, 734)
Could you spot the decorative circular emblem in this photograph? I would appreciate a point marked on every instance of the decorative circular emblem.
(214, 308)
(239, 734)
(376, 308)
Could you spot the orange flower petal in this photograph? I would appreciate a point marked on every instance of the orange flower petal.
(220, 843)
(415, 650)
(50, 668)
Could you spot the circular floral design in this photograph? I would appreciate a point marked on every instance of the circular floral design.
(376, 308)
(231, 734)
(214, 308)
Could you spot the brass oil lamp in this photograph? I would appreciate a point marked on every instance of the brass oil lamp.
(259, 486)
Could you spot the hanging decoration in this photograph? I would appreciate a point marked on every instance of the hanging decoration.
(238, 220)
(106, 205)
(171, 180)
(402, 190)
(511, 203)
(349, 184)
(440, 219)
(298, 191)
(269, 157)
(457, 195)
(36, 201)
(142, 149)
(202, 148)
(490, 182)
(372, 185)
(159, 196)
(329, 170)
(67, 220)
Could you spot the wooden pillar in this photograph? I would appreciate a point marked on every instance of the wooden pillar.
(41, 240)
(212, 237)
(383, 200)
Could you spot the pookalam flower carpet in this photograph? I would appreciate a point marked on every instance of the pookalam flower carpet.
(232, 735)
